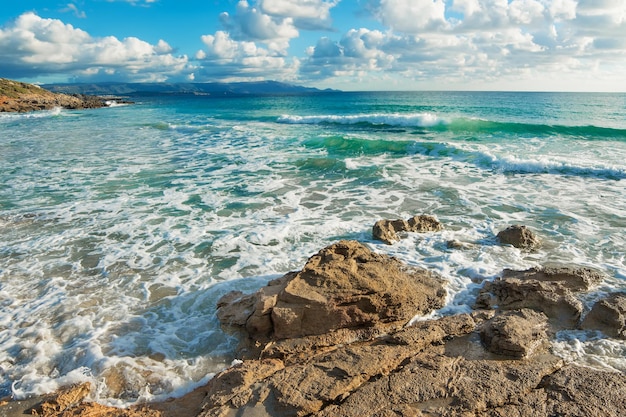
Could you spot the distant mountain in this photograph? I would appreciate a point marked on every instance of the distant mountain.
(211, 89)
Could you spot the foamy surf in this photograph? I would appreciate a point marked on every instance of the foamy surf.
(119, 231)
(390, 119)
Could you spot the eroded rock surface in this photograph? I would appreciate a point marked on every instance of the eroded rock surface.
(367, 361)
(550, 290)
(519, 334)
(345, 285)
(608, 315)
(388, 230)
(519, 236)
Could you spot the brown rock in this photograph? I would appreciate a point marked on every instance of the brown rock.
(16, 96)
(435, 384)
(519, 334)
(66, 398)
(573, 278)
(547, 289)
(387, 230)
(318, 379)
(344, 286)
(519, 236)
(608, 315)
(69, 402)
(551, 298)
(578, 391)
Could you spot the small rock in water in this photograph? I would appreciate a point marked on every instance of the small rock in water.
(387, 230)
(519, 236)
(608, 315)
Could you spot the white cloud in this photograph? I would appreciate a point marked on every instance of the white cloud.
(306, 14)
(478, 43)
(411, 16)
(254, 45)
(32, 46)
(250, 24)
(226, 58)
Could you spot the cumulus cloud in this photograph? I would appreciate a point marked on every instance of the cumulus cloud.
(306, 14)
(253, 45)
(229, 60)
(32, 46)
(359, 51)
(250, 24)
(410, 16)
(466, 42)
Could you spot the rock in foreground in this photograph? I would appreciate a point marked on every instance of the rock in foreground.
(343, 286)
(339, 346)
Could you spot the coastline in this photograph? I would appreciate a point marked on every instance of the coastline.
(337, 339)
(149, 171)
(17, 97)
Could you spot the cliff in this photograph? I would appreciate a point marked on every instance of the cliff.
(16, 96)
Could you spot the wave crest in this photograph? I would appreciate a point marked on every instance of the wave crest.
(374, 119)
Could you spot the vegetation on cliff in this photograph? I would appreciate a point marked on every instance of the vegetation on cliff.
(16, 96)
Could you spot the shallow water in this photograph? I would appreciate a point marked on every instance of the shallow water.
(121, 227)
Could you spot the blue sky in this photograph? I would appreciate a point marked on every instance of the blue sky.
(545, 45)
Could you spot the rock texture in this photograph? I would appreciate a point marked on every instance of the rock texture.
(609, 316)
(519, 333)
(343, 286)
(388, 230)
(519, 236)
(339, 346)
(22, 97)
(549, 290)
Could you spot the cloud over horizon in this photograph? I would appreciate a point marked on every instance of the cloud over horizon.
(392, 43)
(32, 46)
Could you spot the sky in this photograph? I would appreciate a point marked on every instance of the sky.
(512, 45)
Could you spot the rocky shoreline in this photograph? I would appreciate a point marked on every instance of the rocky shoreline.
(17, 97)
(340, 338)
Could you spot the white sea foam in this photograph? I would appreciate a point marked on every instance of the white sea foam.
(391, 119)
(115, 247)
(591, 348)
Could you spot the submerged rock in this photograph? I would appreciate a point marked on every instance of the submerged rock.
(387, 230)
(519, 236)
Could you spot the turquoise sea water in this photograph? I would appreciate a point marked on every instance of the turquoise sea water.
(121, 227)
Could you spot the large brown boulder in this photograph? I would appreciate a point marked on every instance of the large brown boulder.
(345, 285)
(388, 230)
(573, 278)
(546, 289)
(551, 298)
(519, 236)
(519, 334)
(608, 315)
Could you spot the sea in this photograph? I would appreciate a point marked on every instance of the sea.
(121, 227)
